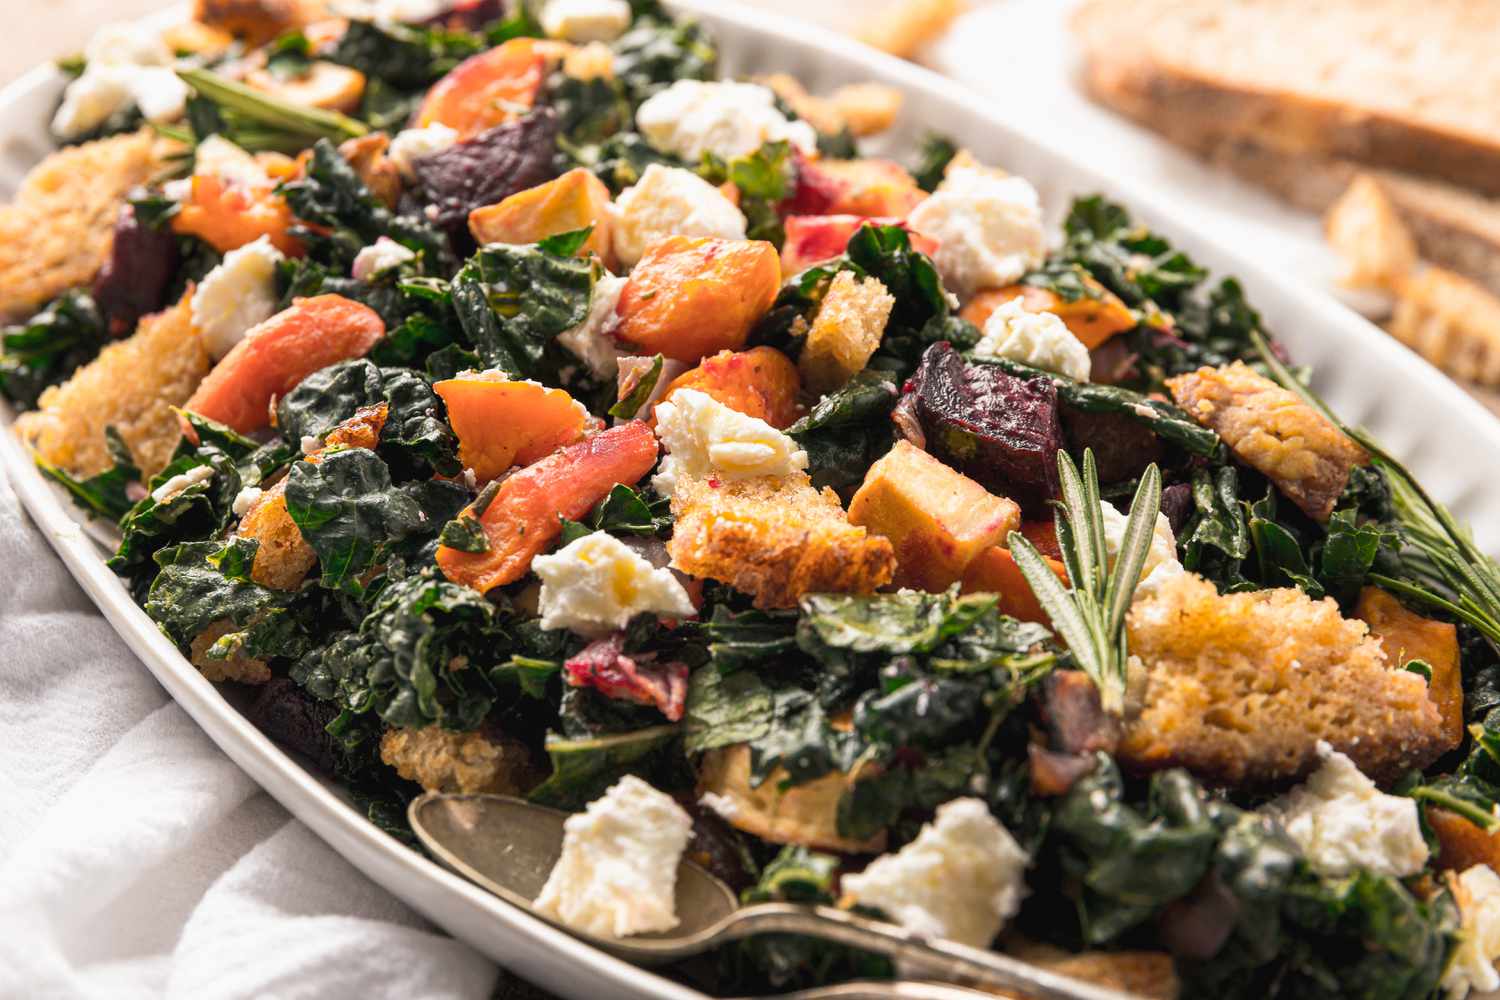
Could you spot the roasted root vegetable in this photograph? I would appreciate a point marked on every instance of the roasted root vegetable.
(501, 422)
(761, 382)
(227, 216)
(1406, 636)
(812, 239)
(866, 187)
(938, 519)
(487, 89)
(572, 201)
(1461, 843)
(273, 357)
(690, 297)
(994, 571)
(323, 85)
(1093, 317)
(523, 518)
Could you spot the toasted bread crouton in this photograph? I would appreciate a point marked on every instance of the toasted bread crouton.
(441, 760)
(258, 21)
(774, 538)
(1149, 974)
(1270, 429)
(1462, 844)
(132, 386)
(863, 108)
(1239, 689)
(237, 668)
(1367, 233)
(805, 814)
(58, 231)
(1452, 322)
(1406, 636)
(911, 24)
(845, 331)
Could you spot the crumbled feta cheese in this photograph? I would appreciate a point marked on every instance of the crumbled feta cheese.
(1039, 339)
(725, 118)
(1472, 966)
(988, 228)
(723, 805)
(168, 490)
(397, 11)
(585, 20)
(412, 144)
(127, 43)
(590, 341)
(670, 201)
(597, 583)
(1161, 558)
(379, 257)
(704, 436)
(217, 157)
(618, 872)
(1343, 822)
(236, 295)
(310, 444)
(961, 879)
(125, 64)
(246, 498)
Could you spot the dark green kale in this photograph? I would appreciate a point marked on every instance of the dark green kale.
(105, 494)
(630, 404)
(407, 57)
(206, 583)
(933, 157)
(584, 767)
(764, 179)
(49, 347)
(748, 639)
(848, 429)
(654, 54)
(1216, 538)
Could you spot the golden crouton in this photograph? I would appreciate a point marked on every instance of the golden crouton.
(241, 669)
(1270, 429)
(911, 24)
(1367, 233)
(863, 108)
(132, 386)
(805, 814)
(1461, 844)
(1405, 636)
(58, 231)
(441, 760)
(1239, 689)
(845, 332)
(258, 21)
(594, 61)
(1452, 322)
(1149, 974)
(775, 539)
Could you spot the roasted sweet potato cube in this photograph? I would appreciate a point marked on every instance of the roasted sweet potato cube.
(227, 216)
(572, 201)
(690, 297)
(994, 571)
(1405, 636)
(938, 519)
(1092, 318)
(761, 382)
(1461, 844)
(487, 89)
(500, 422)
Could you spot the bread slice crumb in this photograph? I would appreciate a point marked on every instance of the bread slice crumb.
(845, 332)
(442, 760)
(1452, 322)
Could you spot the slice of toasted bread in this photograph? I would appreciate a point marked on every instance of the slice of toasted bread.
(1452, 322)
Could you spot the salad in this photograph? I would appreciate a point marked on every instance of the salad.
(519, 408)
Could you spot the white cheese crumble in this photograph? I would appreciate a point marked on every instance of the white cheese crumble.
(236, 295)
(167, 491)
(704, 436)
(1039, 339)
(597, 583)
(310, 444)
(246, 498)
(961, 879)
(1472, 966)
(379, 257)
(590, 341)
(412, 144)
(1161, 558)
(398, 11)
(725, 806)
(1343, 822)
(618, 872)
(585, 20)
(217, 157)
(725, 118)
(670, 201)
(125, 64)
(988, 228)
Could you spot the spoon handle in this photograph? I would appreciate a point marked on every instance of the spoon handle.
(914, 954)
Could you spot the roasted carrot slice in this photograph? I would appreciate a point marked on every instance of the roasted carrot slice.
(1092, 318)
(501, 423)
(228, 216)
(995, 571)
(523, 518)
(486, 90)
(274, 356)
(761, 382)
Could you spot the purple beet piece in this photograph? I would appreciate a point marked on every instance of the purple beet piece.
(469, 15)
(1177, 505)
(490, 167)
(999, 430)
(1122, 445)
(291, 717)
(135, 275)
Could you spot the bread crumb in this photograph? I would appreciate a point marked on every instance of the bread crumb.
(845, 332)
(442, 760)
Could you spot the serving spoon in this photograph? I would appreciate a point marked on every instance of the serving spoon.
(510, 846)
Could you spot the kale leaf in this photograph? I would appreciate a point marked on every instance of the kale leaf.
(513, 301)
(49, 347)
(105, 494)
(848, 429)
(350, 513)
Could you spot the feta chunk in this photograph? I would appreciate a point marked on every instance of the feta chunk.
(125, 43)
(1472, 966)
(397, 11)
(1038, 339)
(618, 872)
(236, 295)
(704, 436)
(412, 144)
(961, 879)
(246, 498)
(217, 157)
(168, 491)
(589, 341)
(988, 228)
(725, 118)
(1161, 558)
(597, 583)
(125, 65)
(379, 257)
(670, 201)
(1343, 822)
(585, 20)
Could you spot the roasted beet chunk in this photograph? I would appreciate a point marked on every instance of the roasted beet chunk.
(135, 276)
(490, 167)
(291, 717)
(998, 429)
(1122, 445)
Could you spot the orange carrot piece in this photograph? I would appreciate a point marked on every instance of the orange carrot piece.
(228, 216)
(501, 423)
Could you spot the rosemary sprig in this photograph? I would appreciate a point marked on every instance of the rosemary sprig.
(265, 122)
(1090, 614)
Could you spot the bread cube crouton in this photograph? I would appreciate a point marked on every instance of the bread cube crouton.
(1273, 431)
(774, 538)
(58, 231)
(1367, 233)
(805, 814)
(1405, 636)
(938, 519)
(1462, 844)
(1146, 974)
(904, 28)
(862, 108)
(441, 760)
(575, 200)
(237, 668)
(132, 386)
(283, 557)
(845, 331)
(1239, 689)
(1452, 322)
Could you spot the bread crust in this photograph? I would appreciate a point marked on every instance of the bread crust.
(442, 760)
